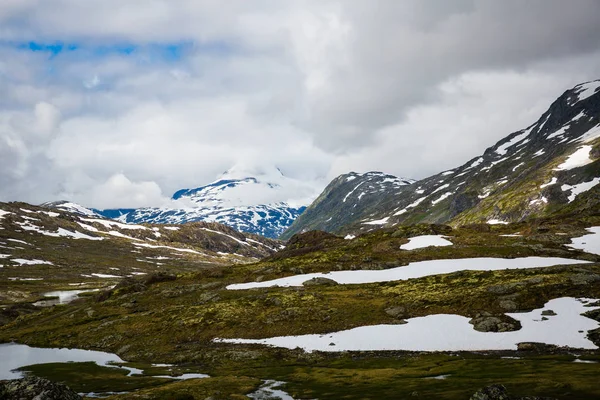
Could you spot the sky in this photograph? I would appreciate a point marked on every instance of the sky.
(119, 103)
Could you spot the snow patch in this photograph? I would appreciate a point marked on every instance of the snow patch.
(22, 261)
(589, 243)
(447, 332)
(419, 242)
(552, 182)
(579, 188)
(377, 222)
(580, 158)
(414, 270)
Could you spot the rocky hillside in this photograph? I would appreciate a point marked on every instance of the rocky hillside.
(346, 198)
(44, 249)
(547, 168)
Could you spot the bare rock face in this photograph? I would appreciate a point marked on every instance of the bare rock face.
(31, 388)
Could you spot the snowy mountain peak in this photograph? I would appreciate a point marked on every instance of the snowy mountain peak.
(265, 203)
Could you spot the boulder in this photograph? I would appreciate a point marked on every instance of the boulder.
(35, 388)
(493, 392)
(398, 312)
(499, 392)
(487, 323)
(319, 281)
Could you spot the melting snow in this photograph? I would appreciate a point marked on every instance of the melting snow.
(19, 241)
(352, 191)
(591, 134)
(50, 213)
(552, 182)
(3, 213)
(559, 132)
(111, 224)
(504, 147)
(106, 276)
(419, 242)
(578, 159)
(151, 246)
(476, 163)
(22, 261)
(441, 188)
(497, 222)
(171, 228)
(589, 243)
(442, 197)
(586, 90)
(414, 270)
(225, 234)
(538, 153)
(447, 332)
(349, 237)
(579, 188)
(377, 222)
(517, 166)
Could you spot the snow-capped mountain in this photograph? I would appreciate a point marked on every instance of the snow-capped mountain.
(347, 196)
(266, 204)
(552, 166)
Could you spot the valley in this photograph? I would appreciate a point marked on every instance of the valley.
(384, 287)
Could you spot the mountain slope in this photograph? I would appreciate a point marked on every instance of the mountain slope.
(47, 249)
(346, 198)
(549, 167)
(247, 204)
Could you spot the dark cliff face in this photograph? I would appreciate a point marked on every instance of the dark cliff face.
(521, 176)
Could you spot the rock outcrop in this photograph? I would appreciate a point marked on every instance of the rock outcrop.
(34, 388)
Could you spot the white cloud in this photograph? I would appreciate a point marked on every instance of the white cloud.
(118, 190)
(315, 87)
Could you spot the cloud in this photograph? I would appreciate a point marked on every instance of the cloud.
(118, 189)
(171, 94)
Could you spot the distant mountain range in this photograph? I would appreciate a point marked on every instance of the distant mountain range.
(547, 168)
(247, 204)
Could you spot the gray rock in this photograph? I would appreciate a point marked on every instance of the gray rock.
(584, 278)
(499, 392)
(319, 281)
(486, 323)
(35, 388)
(493, 392)
(508, 305)
(548, 312)
(396, 312)
(506, 288)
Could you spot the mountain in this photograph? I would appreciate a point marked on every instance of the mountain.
(265, 204)
(345, 197)
(54, 248)
(550, 167)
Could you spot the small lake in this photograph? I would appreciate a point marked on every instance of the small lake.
(16, 356)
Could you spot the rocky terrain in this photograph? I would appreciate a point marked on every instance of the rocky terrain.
(177, 321)
(43, 250)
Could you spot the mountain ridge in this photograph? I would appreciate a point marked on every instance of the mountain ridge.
(535, 171)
